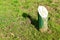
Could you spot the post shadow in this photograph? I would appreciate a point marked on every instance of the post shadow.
(33, 21)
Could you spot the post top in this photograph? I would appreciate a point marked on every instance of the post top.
(43, 11)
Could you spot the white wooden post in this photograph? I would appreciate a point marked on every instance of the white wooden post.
(43, 18)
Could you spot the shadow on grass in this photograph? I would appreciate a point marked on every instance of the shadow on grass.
(33, 21)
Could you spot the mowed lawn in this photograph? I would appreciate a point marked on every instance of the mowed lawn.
(18, 20)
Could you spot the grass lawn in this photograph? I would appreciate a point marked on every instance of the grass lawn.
(16, 25)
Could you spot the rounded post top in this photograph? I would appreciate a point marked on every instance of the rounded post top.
(42, 11)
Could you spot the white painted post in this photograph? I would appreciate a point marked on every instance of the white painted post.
(43, 18)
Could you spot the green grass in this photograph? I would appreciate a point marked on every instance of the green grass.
(13, 26)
